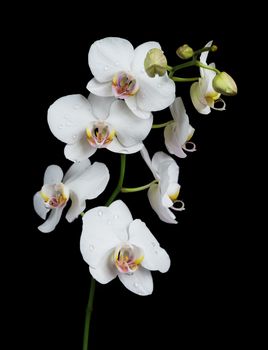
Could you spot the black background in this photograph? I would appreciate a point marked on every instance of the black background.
(200, 301)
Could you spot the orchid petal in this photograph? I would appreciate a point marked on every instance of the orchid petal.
(155, 200)
(203, 58)
(88, 185)
(100, 106)
(103, 229)
(196, 98)
(172, 142)
(39, 206)
(52, 221)
(100, 89)
(155, 257)
(117, 147)
(108, 56)
(68, 117)
(131, 102)
(80, 150)
(147, 159)
(53, 175)
(140, 282)
(105, 271)
(75, 170)
(155, 93)
(130, 130)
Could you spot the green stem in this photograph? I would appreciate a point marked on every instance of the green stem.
(137, 189)
(157, 126)
(199, 64)
(89, 307)
(181, 66)
(89, 310)
(178, 79)
(204, 49)
(120, 181)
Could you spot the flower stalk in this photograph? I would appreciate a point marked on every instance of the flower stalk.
(89, 307)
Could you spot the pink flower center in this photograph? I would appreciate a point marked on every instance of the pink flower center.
(124, 85)
(100, 135)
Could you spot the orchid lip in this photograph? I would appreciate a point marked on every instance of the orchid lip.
(100, 135)
(54, 196)
(127, 258)
(124, 85)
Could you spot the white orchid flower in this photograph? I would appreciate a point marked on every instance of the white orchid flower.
(118, 71)
(82, 181)
(179, 132)
(113, 244)
(202, 93)
(163, 194)
(97, 122)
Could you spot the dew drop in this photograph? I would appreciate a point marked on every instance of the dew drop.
(100, 213)
(106, 68)
(159, 85)
(109, 222)
(76, 106)
(153, 244)
(74, 137)
(60, 126)
(156, 252)
(116, 216)
(136, 285)
(91, 247)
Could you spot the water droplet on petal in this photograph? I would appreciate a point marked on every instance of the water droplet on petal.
(100, 213)
(156, 252)
(116, 216)
(153, 244)
(159, 85)
(74, 137)
(60, 126)
(76, 106)
(136, 285)
(106, 68)
(91, 247)
(109, 222)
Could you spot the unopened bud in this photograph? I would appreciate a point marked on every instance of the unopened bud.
(155, 63)
(185, 52)
(224, 84)
(214, 48)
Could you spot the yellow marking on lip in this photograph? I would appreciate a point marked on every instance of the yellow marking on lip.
(44, 196)
(139, 260)
(174, 196)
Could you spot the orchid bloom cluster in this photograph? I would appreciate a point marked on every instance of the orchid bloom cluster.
(127, 87)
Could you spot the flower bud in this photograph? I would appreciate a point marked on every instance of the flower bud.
(155, 63)
(224, 84)
(185, 52)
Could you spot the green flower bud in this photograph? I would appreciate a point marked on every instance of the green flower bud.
(155, 63)
(185, 52)
(224, 84)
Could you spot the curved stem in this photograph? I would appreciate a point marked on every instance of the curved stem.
(137, 189)
(89, 307)
(89, 310)
(120, 181)
(181, 66)
(199, 64)
(157, 126)
(178, 79)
